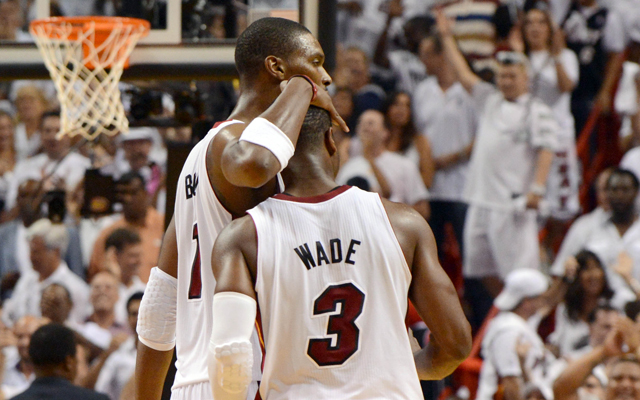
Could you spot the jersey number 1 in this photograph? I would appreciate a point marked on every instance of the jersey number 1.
(195, 287)
(342, 324)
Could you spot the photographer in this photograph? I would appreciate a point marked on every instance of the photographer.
(136, 153)
(57, 165)
(14, 251)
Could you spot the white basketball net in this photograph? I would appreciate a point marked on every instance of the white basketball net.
(86, 73)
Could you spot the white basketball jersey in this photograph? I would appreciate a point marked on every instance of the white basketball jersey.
(199, 218)
(332, 285)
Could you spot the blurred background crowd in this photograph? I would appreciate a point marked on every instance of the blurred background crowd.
(512, 126)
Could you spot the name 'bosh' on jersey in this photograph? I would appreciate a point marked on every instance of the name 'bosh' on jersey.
(198, 210)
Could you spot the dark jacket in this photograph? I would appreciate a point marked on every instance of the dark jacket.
(52, 388)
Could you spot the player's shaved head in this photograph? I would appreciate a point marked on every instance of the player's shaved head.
(266, 37)
(316, 123)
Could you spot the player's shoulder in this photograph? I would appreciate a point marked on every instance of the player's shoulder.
(221, 134)
(226, 131)
(404, 219)
(241, 231)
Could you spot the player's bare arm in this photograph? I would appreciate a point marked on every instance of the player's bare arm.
(234, 258)
(465, 75)
(230, 356)
(246, 164)
(150, 381)
(543, 167)
(433, 295)
(242, 173)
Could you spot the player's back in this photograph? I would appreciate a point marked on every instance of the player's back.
(199, 218)
(332, 285)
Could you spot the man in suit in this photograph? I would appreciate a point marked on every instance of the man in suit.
(53, 353)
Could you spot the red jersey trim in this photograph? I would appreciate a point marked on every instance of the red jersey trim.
(313, 199)
(220, 123)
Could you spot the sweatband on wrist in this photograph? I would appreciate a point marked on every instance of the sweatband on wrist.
(230, 358)
(156, 326)
(264, 133)
(539, 190)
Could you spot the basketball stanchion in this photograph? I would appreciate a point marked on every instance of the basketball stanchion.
(85, 57)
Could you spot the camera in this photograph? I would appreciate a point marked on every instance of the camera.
(55, 204)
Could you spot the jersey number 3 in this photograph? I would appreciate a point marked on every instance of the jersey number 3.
(195, 287)
(342, 324)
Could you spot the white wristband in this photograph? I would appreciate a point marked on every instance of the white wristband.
(539, 190)
(264, 133)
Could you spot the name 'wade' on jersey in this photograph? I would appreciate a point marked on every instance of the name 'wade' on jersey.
(332, 285)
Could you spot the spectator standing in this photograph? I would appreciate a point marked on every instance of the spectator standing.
(7, 159)
(11, 21)
(445, 113)
(18, 374)
(582, 227)
(53, 353)
(366, 95)
(120, 366)
(626, 99)
(14, 252)
(136, 154)
(56, 305)
(361, 22)
(392, 175)
(623, 370)
(137, 215)
(123, 258)
(613, 236)
(554, 74)
(104, 297)
(587, 289)
(602, 320)
(47, 243)
(404, 64)
(343, 102)
(509, 165)
(628, 104)
(58, 166)
(597, 37)
(518, 302)
(403, 136)
(31, 104)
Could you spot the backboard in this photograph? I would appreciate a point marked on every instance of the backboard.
(190, 39)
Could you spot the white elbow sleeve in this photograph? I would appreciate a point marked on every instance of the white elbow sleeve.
(157, 315)
(264, 133)
(230, 359)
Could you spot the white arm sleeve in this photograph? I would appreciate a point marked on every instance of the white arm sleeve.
(157, 315)
(230, 358)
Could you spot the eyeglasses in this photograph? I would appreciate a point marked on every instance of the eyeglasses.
(511, 58)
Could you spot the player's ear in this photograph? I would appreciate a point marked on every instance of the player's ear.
(329, 142)
(275, 67)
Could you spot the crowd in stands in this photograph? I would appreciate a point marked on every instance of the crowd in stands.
(467, 110)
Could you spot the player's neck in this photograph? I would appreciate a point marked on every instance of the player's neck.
(252, 103)
(310, 176)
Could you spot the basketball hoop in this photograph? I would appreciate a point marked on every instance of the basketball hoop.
(85, 57)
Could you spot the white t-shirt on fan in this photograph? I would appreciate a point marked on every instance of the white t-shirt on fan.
(449, 119)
